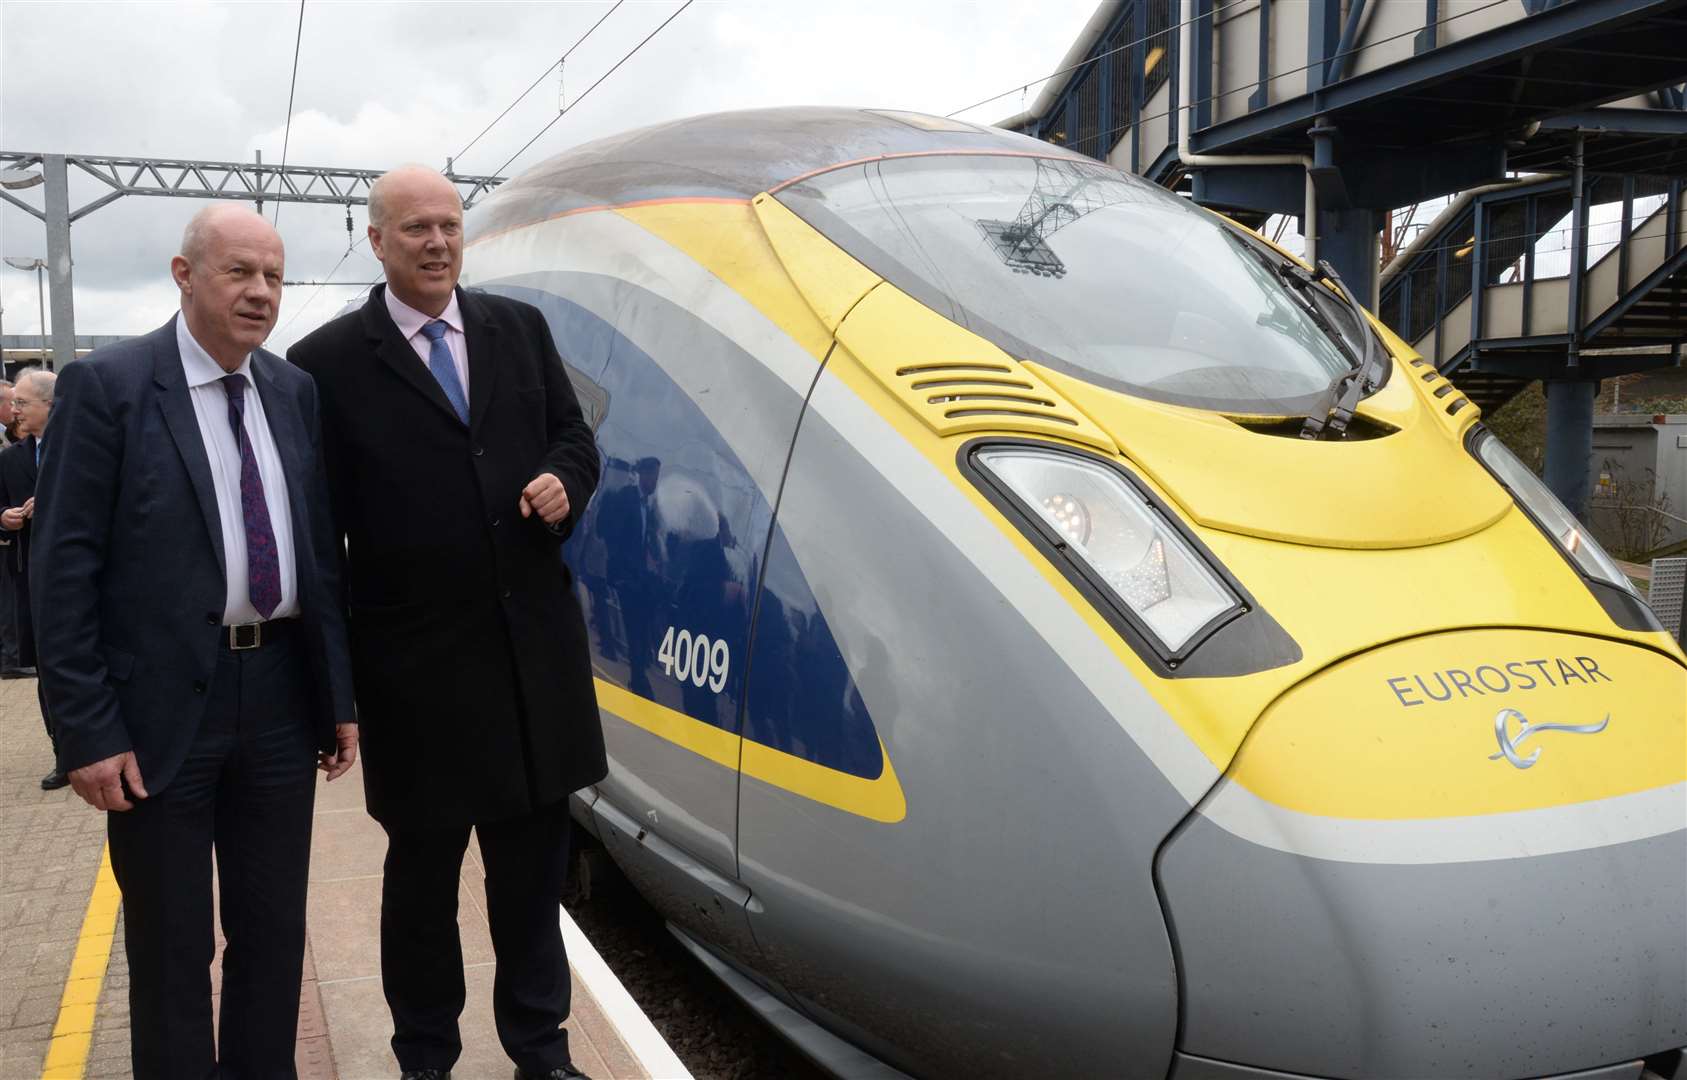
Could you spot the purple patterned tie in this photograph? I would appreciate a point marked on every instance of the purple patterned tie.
(263, 568)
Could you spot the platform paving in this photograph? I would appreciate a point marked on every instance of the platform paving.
(50, 851)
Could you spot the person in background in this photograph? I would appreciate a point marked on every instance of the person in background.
(20, 463)
(10, 666)
(187, 601)
(460, 461)
(9, 417)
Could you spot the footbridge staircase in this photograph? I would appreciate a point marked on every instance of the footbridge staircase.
(1506, 286)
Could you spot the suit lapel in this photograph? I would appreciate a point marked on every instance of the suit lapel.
(480, 333)
(179, 417)
(30, 468)
(398, 355)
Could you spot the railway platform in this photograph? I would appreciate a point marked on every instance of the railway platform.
(64, 982)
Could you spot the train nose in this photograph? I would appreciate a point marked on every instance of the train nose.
(1460, 855)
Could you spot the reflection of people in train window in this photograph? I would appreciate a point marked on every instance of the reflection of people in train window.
(627, 523)
(859, 742)
(825, 684)
(771, 700)
(587, 553)
(708, 603)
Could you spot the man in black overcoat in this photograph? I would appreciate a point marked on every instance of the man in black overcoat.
(459, 461)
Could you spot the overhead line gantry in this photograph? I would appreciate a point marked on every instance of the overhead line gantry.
(175, 178)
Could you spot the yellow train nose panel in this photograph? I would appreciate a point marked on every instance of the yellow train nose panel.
(1416, 486)
(1469, 723)
(953, 380)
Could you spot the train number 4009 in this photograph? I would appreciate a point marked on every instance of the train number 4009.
(694, 658)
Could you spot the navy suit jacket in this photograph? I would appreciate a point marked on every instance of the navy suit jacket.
(128, 581)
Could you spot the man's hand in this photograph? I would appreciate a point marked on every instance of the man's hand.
(28, 507)
(544, 495)
(13, 518)
(345, 739)
(101, 784)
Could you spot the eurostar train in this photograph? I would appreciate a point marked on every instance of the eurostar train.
(1042, 630)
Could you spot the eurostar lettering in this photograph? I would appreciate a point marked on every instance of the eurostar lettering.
(1485, 679)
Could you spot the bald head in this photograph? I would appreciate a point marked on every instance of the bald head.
(220, 219)
(416, 230)
(229, 273)
(405, 182)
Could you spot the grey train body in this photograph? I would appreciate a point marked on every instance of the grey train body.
(1056, 899)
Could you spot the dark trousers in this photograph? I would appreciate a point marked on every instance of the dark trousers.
(24, 633)
(246, 790)
(422, 957)
(8, 610)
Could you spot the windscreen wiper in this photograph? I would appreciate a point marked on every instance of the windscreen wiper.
(1299, 283)
(1340, 400)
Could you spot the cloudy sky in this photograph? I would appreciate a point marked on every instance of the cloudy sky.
(380, 84)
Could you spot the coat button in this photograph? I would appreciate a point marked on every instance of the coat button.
(494, 523)
(478, 450)
(199, 686)
(212, 618)
(506, 594)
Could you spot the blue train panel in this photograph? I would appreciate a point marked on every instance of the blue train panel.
(668, 555)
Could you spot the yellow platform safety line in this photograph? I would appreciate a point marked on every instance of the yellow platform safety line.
(73, 1034)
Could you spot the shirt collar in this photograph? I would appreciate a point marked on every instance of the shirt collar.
(410, 321)
(197, 364)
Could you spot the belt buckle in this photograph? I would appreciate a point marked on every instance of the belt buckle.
(245, 636)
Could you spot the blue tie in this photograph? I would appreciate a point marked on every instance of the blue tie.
(444, 368)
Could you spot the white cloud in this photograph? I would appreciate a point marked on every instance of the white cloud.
(384, 83)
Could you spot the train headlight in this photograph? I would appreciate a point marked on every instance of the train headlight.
(1093, 516)
(1538, 501)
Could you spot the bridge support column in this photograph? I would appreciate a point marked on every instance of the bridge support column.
(1569, 440)
(1348, 240)
(60, 289)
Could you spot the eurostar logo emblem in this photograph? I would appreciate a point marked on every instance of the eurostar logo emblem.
(1509, 743)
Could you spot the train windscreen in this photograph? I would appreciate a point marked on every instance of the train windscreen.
(1085, 269)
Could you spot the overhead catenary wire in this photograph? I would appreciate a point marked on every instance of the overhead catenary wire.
(1234, 89)
(1257, 83)
(458, 156)
(1182, 95)
(1023, 87)
(324, 283)
(292, 85)
(329, 278)
(570, 108)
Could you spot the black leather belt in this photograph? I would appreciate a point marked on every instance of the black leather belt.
(255, 635)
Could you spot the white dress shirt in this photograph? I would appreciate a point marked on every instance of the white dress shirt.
(410, 322)
(210, 406)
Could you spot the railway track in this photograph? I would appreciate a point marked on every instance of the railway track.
(714, 1034)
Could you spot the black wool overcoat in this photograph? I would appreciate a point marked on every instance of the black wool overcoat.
(473, 680)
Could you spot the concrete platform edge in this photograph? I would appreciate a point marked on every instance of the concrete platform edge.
(634, 1027)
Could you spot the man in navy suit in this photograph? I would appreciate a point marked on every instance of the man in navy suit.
(190, 637)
